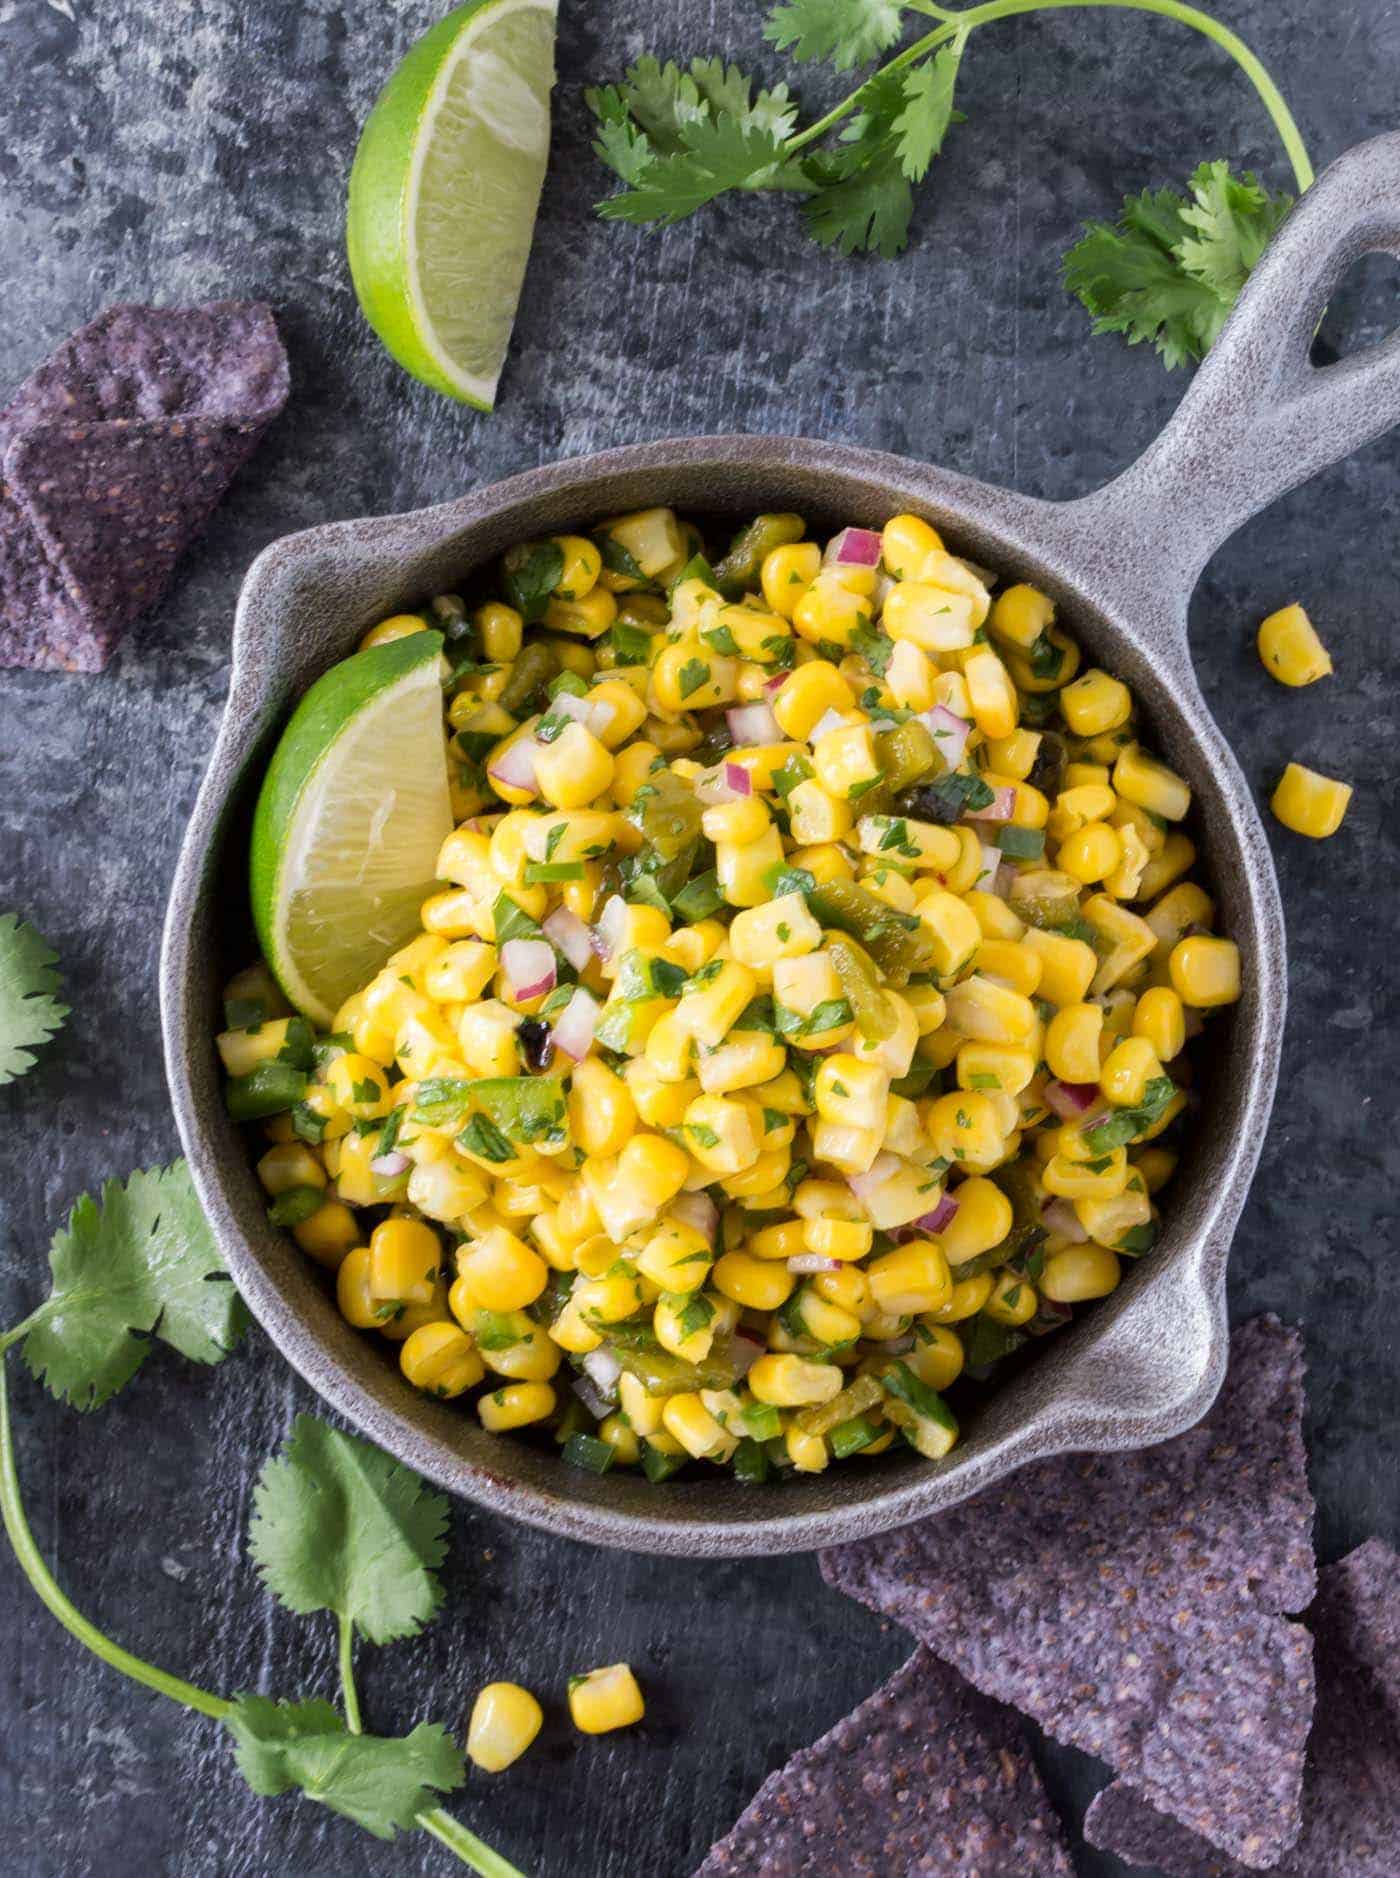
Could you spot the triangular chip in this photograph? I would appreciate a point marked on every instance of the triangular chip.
(1351, 1785)
(114, 454)
(1130, 1602)
(926, 1777)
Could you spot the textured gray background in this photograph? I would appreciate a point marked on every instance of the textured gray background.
(150, 151)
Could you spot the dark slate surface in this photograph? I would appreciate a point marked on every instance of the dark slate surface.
(201, 151)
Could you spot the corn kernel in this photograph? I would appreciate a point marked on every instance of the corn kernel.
(503, 1273)
(788, 1381)
(906, 542)
(1310, 803)
(913, 1277)
(405, 1257)
(982, 1220)
(1290, 648)
(1072, 1043)
(758, 1284)
(1020, 615)
(441, 1360)
(505, 1720)
(1140, 778)
(1080, 1272)
(1205, 971)
(605, 1699)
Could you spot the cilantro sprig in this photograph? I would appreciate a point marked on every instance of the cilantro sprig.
(30, 1012)
(1168, 270)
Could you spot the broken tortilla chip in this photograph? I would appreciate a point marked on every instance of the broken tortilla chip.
(1131, 1603)
(1351, 1784)
(926, 1777)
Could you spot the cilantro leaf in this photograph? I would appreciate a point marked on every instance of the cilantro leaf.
(29, 1011)
(713, 156)
(382, 1784)
(1171, 268)
(338, 1526)
(928, 112)
(863, 198)
(845, 32)
(141, 1263)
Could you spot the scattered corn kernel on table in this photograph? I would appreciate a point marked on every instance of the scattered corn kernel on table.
(966, 348)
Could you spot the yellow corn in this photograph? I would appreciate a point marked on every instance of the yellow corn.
(1290, 648)
(505, 1719)
(1310, 803)
(605, 1699)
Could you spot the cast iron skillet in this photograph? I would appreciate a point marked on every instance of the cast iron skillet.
(1121, 564)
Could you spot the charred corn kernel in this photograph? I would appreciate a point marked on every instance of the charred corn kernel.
(808, 1453)
(1095, 703)
(994, 1066)
(849, 1091)
(589, 617)
(1310, 803)
(742, 867)
(1080, 1272)
(807, 694)
(1013, 965)
(913, 1277)
(356, 1303)
(288, 1166)
(758, 1284)
(845, 760)
(1013, 1300)
(787, 1381)
(988, 1012)
(743, 1061)
(1072, 1043)
(787, 573)
(836, 1238)
(505, 1718)
(966, 1300)
(503, 1273)
(574, 768)
(605, 1699)
(992, 693)
(582, 565)
(952, 928)
(602, 1114)
(964, 1129)
(1291, 650)
(906, 542)
(937, 1356)
(1205, 971)
(1020, 615)
(687, 1420)
(440, 1360)
(500, 629)
(405, 1257)
(1091, 853)
(397, 626)
(982, 1220)
(1128, 1068)
(1140, 778)
(329, 1234)
(1077, 1180)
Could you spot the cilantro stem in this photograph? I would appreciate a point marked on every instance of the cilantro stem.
(471, 1850)
(348, 1690)
(37, 1572)
(18, 1332)
(1253, 68)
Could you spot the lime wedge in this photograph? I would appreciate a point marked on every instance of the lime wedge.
(444, 190)
(353, 810)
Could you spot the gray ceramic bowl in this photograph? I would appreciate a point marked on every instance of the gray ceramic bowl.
(1121, 565)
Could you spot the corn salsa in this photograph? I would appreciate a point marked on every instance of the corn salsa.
(802, 1020)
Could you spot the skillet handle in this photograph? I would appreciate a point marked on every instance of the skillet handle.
(1258, 419)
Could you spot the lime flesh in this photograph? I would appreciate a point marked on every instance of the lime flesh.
(352, 813)
(444, 191)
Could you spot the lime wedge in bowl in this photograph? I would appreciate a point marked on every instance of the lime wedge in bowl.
(352, 813)
(444, 190)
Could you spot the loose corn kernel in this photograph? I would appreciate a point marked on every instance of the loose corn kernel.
(1013, 965)
(1080, 1272)
(1205, 971)
(964, 1128)
(583, 562)
(1077, 1180)
(743, 867)
(574, 768)
(953, 929)
(836, 1238)
(605, 1699)
(849, 1091)
(993, 695)
(505, 1720)
(745, 1059)
(937, 1356)
(441, 1360)
(290, 1165)
(676, 1257)
(589, 617)
(788, 1381)
(994, 1066)
(1291, 650)
(1310, 803)
(500, 629)
(352, 1293)
(968, 1297)
(845, 760)
(738, 822)
(687, 1420)
(987, 1012)
(835, 607)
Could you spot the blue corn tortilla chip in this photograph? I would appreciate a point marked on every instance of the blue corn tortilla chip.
(926, 1777)
(1351, 1785)
(1131, 1603)
(113, 456)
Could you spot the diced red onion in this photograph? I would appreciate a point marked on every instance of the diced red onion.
(602, 1368)
(897, 1346)
(738, 779)
(750, 724)
(595, 714)
(949, 732)
(567, 931)
(698, 1210)
(530, 968)
(1061, 1217)
(812, 1262)
(1071, 1100)
(744, 1351)
(515, 765)
(575, 1025)
(712, 786)
(941, 1214)
(853, 547)
(874, 1177)
(390, 1165)
(828, 721)
(999, 809)
(775, 683)
(592, 1398)
(607, 934)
